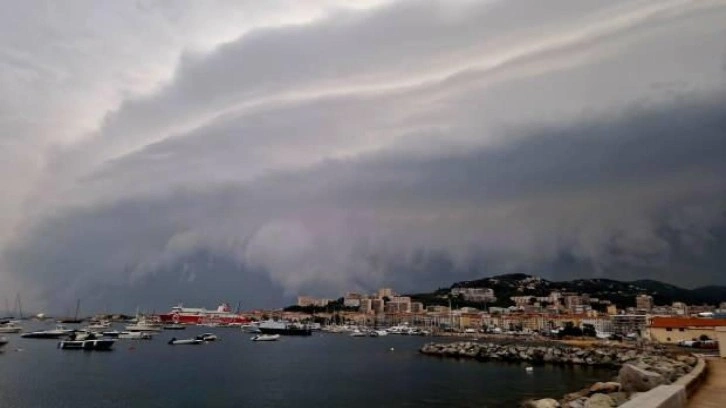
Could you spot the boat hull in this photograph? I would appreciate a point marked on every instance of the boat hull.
(88, 345)
(186, 342)
(43, 335)
(266, 337)
(289, 331)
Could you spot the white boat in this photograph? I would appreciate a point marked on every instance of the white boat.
(603, 335)
(178, 342)
(58, 332)
(10, 327)
(143, 326)
(358, 333)
(399, 329)
(378, 333)
(3, 342)
(98, 326)
(265, 337)
(250, 327)
(208, 337)
(134, 335)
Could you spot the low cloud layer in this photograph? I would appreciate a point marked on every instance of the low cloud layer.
(408, 143)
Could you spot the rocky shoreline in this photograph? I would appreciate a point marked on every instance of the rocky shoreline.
(640, 369)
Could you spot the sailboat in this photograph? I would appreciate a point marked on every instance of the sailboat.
(75, 318)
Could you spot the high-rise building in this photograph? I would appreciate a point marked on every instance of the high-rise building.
(377, 305)
(644, 303)
(366, 306)
(385, 292)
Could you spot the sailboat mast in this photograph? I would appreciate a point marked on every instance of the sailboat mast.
(20, 306)
(78, 306)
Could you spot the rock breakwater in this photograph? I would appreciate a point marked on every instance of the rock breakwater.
(640, 370)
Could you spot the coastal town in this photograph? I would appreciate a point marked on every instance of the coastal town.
(557, 314)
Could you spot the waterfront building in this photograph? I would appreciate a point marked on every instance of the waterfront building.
(437, 309)
(644, 303)
(675, 329)
(629, 323)
(377, 305)
(612, 310)
(603, 325)
(417, 307)
(400, 303)
(366, 306)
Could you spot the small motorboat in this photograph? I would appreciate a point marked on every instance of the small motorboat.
(250, 328)
(265, 337)
(378, 333)
(178, 342)
(3, 342)
(9, 327)
(208, 337)
(96, 344)
(98, 326)
(174, 326)
(112, 333)
(58, 332)
(126, 335)
(358, 333)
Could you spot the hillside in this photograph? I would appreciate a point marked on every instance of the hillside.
(620, 293)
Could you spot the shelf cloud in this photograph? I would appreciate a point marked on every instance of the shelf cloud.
(225, 151)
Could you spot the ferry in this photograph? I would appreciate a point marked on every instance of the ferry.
(223, 315)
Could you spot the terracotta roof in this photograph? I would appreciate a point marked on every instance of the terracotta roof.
(677, 322)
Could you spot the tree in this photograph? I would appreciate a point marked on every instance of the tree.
(704, 337)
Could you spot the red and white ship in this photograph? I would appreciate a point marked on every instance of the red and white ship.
(192, 315)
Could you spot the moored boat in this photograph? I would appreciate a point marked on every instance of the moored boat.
(10, 327)
(176, 342)
(207, 337)
(3, 341)
(378, 333)
(96, 344)
(284, 328)
(58, 332)
(358, 333)
(222, 316)
(139, 335)
(174, 326)
(265, 337)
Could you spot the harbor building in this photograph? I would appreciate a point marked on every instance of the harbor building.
(675, 329)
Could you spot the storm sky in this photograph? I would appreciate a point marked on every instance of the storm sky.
(157, 152)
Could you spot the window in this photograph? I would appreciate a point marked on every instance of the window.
(669, 329)
(681, 329)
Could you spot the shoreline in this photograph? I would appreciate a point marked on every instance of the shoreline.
(640, 369)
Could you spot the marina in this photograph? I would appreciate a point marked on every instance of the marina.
(290, 370)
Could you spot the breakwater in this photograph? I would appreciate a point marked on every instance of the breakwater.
(640, 370)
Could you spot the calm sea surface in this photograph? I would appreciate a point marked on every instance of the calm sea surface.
(325, 370)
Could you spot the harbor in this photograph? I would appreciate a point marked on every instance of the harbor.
(237, 371)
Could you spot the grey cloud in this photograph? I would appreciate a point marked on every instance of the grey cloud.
(631, 197)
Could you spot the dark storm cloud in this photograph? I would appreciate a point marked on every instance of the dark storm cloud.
(630, 196)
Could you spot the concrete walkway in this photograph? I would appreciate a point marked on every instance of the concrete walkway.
(712, 393)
